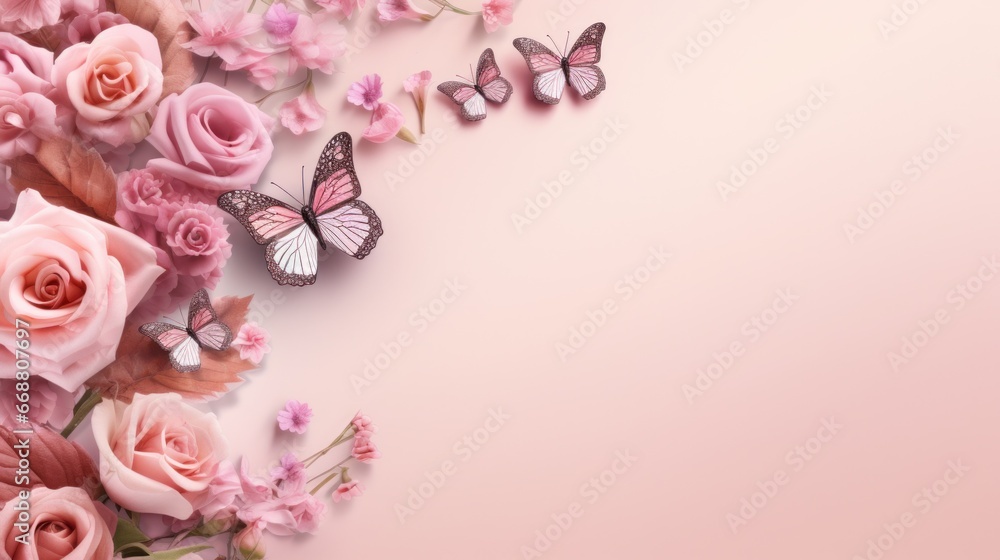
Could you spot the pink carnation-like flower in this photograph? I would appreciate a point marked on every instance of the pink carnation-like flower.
(364, 449)
(386, 122)
(279, 22)
(290, 473)
(347, 490)
(251, 341)
(366, 92)
(303, 114)
(197, 239)
(392, 10)
(20, 16)
(295, 417)
(315, 43)
(222, 29)
(362, 423)
(497, 13)
(219, 500)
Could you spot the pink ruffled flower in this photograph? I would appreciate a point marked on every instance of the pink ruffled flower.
(141, 194)
(219, 500)
(50, 404)
(362, 423)
(347, 490)
(392, 10)
(279, 23)
(364, 449)
(303, 114)
(295, 417)
(24, 120)
(222, 29)
(366, 92)
(197, 239)
(497, 13)
(345, 8)
(315, 43)
(386, 123)
(251, 341)
(416, 85)
(20, 16)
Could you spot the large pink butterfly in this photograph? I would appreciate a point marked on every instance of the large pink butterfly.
(488, 85)
(333, 215)
(577, 67)
(204, 330)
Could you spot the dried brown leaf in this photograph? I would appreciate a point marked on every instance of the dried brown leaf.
(143, 367)
(55, 463)
(68, 174)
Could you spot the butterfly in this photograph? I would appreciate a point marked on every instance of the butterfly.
(333, 215)
(577, 66)
(488, 85)
(204, 330)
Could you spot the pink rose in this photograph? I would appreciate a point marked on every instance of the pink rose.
(66, 524)
(211, 138)
(112, 83)
(73, 279)
(141, 192)
(24, 120)
(158, 454)
(197, 240)
(30, 67)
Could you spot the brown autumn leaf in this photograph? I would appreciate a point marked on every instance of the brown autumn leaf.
(143, 367)
(68, 174)
(167, 21)
(55, 463)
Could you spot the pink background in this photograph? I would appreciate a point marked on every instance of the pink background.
(655, 185)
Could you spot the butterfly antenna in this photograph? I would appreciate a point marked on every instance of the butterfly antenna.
(286, 192)
(303, 185)
(554, 44)
(566, 49)
(472, 73)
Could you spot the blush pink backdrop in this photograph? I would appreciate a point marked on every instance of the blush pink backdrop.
(653, 184)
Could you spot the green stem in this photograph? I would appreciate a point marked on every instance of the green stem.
(339, 440)
(327, 480)
(456, 9)
(87, 403)
(304, 84)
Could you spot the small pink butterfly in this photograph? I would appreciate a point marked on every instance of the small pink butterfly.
(204, 330)
(333, 215)
(488, 85)
(577, 66)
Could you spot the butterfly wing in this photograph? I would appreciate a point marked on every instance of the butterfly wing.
(335, 180)
(185, 355)
(265, 218)
(204, 322)
(353, 227)
(294, 258)
(495, 88)
(550, 79)
(584, 75)
(473, 104)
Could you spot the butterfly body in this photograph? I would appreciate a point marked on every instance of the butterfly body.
(576, 68)
(333, 215)
(184, 343)
(486, 85)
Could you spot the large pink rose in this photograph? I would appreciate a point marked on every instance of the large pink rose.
(65, 524)
(112, 82)
(158, 454)
(30, 67)
(73, 279)
(211, 138)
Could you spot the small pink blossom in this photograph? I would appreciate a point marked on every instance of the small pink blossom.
(366, 92)
(416, 85)
(219, 501)
(392, 10)
(295, 417)
(222, 30)
(497, 13)
(362, 423)
(303, 114)
(315, 43)
(290, 473)
(251, 341)
(364, 449)
(347, 490)
(20, 16)
(279, 23)
(385, 124)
